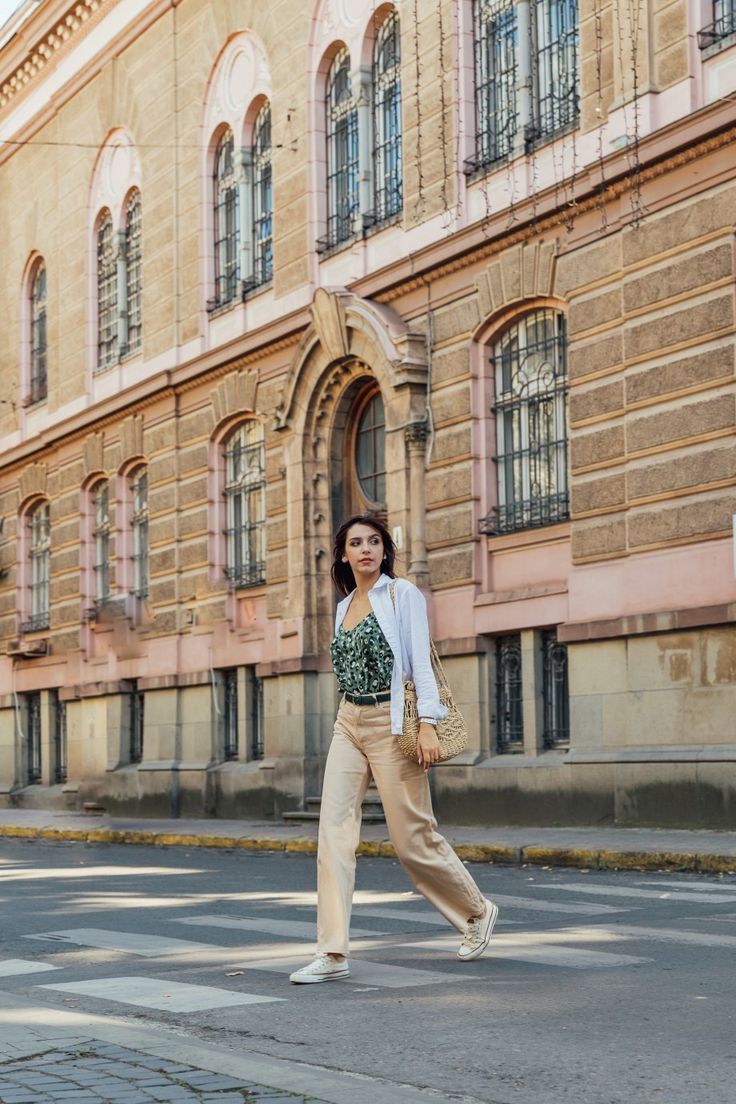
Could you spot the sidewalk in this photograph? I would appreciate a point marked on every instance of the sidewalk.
(703, 851)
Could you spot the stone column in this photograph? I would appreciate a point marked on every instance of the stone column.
(416, 446)
(362, 83)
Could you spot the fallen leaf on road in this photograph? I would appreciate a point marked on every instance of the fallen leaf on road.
(234, 973)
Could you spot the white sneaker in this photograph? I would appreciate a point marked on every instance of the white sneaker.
(478, 934)
(324, 968)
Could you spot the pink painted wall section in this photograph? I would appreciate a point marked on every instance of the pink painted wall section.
(668, 579)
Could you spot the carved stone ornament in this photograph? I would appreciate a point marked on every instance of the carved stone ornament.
(235, 394)
(526, 271)
(328, 318)
(94, 453)
(33, 480)
(131, 437)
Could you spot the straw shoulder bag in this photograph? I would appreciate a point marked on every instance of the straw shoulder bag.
(451, 730)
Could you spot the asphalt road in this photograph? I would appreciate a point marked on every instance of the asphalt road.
(597, 989)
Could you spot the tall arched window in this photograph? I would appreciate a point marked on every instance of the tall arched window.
(227, 221)
(101, 540)
(245, 498)
(262, 198)
(530, 369)
(38, 523)
(38, 378)
(139, 530)
(387, 162)
(133, 266)
(343, 202)
(107, 294)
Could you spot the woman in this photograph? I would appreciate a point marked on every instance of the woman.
(382, 639)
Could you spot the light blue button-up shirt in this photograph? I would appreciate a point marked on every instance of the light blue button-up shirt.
(407, 631)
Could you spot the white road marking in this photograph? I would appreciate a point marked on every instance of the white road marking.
(700, 887)
(38, 873)
(649, 894)
(10, 967)
(293, 929)
(554, 906)
(541, 948)
(372, 973)
(166, 996)
(424, 916)
(150, 946)
(669, 935)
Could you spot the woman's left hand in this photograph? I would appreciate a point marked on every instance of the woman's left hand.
(428, 746)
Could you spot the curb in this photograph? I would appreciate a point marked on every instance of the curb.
(534, 855)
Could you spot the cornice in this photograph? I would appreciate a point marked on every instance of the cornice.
(38, 44)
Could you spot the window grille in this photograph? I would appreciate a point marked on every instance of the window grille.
(523, 95)
(33, 739)
(387, 155)
(107, 295)
(137, 723)
(39, 547)
(255, 689)
(245, 497)
(722, 27)
(139, 526)
(496, 48)
(262, 199)
(531, 424)
(230, 714)
(101, 541)
(38, 375)
(133, 274)
(227, 222)
(342, 155)
(370, 458)
(60, 739)
(555, 65)
(555, 693)
(509, 716)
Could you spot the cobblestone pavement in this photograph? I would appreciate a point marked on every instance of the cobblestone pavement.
(100, 1073)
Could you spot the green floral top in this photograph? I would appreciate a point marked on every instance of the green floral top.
(362, 658)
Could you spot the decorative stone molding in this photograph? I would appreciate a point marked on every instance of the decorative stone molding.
(48, 47)
(33, 481)
(131, 437)
(344, 326)
(416, 435)
(525, 272)
(94, 453)
(235, 394)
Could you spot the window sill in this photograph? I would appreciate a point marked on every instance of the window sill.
(324, 251)
(710, 45)
(523, 538)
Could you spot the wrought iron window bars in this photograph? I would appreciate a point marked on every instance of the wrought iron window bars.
(245, 482)
(38, 375)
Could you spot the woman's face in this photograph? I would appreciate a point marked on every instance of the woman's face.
(364, 552)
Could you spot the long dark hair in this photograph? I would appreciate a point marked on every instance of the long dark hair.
(342, 573)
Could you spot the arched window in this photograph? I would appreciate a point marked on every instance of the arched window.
(245, 498)
(365, 458)
(107, 294)
(227, 221)
(262, 198)
(388, 183)
(101, 541)
(139, 530)
(38, 379)
(343, 202)
(530, 368)
(133, 267)
(38, 523)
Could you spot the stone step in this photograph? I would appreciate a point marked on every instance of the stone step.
(372, 810)
(307, 816)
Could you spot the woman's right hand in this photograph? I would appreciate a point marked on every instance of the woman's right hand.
(428, 746)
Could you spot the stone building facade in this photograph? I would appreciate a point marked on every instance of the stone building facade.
(468, 264)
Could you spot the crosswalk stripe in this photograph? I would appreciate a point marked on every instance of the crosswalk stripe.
(669, 935)
(649, 894)
(372, 973)
(699, 887)
(539, 948)
(535, 905)
(165, 996)
(150, 946)
(11, 967)
(293, 929)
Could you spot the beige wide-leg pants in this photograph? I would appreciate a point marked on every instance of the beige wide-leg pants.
(363, 745)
